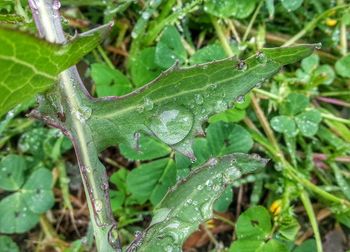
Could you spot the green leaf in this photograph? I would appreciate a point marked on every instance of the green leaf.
(224, 138)
(37, 191)
(289, 227)
(228, 8)
(342, 66)
(11, 172)
(222, 204)
(144, 68)
(291, 5)
(31, 142)
(152, 180)
(325, 75)
(208, 53)
(248, 245)
(190, 201)
(29, 65)
(174, 106)
(308, 122)
(310, 63)
(119, 179)
(294, 104)
(307, 246)
(230, 115)
(15, 216)
(147, 149)
(284, 124)
(109, 81)
(254, 223)
(7, 244)
(170, 48)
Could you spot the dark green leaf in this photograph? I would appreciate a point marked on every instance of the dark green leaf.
(109, 81)
(148, 148)
(254, 223)
(307, 246)
(170, 48)
(143, 68)
(310, 63)
(208, 53)
(223, 203)
(7, 244)
(152, 180)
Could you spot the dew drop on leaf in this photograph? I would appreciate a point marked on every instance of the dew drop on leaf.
(98, 205)
(199, 99)
(242, 66)
(148, 104)
(240, 99)
(261, 57)
(171, 125)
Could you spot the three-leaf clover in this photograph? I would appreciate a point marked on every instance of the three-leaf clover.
(20, 211)
(295, 118)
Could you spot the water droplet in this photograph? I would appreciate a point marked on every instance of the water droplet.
(134, 35)
(220, 106)
(213, 87)
(261, 57)
(199, 99)
(204, 67)
(98, 205)
(242, 66)
(146, 15)
(148, 104)
(240, 99)
(258, 85)
(171, 125)
(56, 4)
(318, 46)
(200, 188)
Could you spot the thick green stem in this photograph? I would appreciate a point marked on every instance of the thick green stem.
(311, 214)
(71, 95)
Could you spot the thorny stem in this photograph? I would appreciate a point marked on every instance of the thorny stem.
(311, 214)
(72, 94)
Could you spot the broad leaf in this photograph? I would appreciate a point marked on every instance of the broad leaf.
(12, 169)
(190, 201)
(7, 244)
(285, 125)
(291, 5)
(109, 81)
(170, 48)
(152, 180)
(29, 65)
(342, 66)
(174, 106)
(294, 104)
(37, 192)
(15, 216)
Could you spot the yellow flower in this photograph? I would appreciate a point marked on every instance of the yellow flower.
(331, 22)
(276, 207)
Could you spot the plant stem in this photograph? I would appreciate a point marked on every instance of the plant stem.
(252, 20)
(343, 38)
(222, 36)
(71, 95)
(311, 214)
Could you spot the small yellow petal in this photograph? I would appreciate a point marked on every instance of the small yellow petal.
(276, 207)
(331, 22)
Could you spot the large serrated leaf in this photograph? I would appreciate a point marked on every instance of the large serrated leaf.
(174, 106)
(29, 65)
(191, 200)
